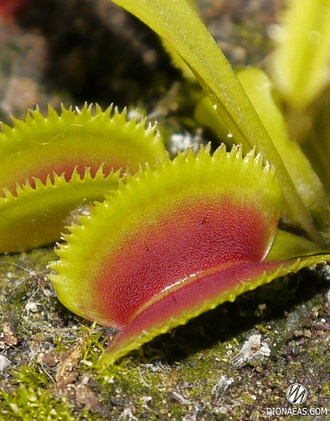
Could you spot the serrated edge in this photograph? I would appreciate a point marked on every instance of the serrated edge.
(57, 182)
(35, 119)
(18, 139)
(58, 186)
(82, 236)
(235, 155)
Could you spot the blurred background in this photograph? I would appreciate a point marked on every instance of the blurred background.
(72, 51)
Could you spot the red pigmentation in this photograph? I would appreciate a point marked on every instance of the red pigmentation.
(195, 293)
(170, 244)
(10, 7)
(197, 237)
(66, 168)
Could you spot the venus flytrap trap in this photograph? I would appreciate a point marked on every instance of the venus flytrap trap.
(52, 166)
(191, 240)
(75, 139)
(178, 237)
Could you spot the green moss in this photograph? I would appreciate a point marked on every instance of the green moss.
(32, 398)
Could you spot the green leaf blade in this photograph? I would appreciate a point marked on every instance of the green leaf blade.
(300, 64)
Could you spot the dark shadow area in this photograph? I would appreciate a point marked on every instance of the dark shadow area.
(97, 52)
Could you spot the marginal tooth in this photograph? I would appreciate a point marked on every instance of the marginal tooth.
(52, 114)
(65, 110)
(17, 124)
(38, 183)
(53, 202)
(123, 113)
(49, 142)
(36, 115)
(7, 194)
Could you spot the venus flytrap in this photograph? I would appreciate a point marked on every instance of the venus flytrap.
(180, 240)
(174, 238)
(52, 166)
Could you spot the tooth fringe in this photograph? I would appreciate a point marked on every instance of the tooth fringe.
(52, 204)
(86, 114)
(184, 170)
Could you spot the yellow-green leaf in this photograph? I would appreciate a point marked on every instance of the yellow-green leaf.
(300, 64)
